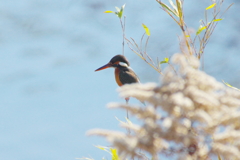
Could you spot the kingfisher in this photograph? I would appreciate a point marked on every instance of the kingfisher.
(123, 72)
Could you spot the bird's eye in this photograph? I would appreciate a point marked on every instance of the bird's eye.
(123, 64)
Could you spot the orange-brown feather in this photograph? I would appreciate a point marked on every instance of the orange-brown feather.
(117, 71)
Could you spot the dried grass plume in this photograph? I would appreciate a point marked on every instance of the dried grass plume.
(189, 115)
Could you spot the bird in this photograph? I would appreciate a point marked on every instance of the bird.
(123, 72)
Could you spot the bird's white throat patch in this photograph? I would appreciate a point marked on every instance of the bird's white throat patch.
(123, 64)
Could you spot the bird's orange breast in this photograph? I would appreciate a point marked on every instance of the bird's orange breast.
(117, 71)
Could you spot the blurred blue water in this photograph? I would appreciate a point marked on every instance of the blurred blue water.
(50, 95)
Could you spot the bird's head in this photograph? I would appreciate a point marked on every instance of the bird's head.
(116, 61)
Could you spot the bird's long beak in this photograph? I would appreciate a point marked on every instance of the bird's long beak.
(104, 67)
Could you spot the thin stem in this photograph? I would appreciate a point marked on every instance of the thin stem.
(128, 130)
(123, 30)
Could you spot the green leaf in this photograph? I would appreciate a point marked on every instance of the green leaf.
(227, 84)
(111, 12)
(168, 8)
(108, 12)
(123, 6)
(119, 12)
(173, 5)
(118, 9)
(146, 29)
(166, 60)
(211, 6)
(114, 154)
(101, 147)
(179, 7)
(119, 120)
(200, 30)
(128, 121)
(215, 20)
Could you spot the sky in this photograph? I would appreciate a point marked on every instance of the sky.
(50, 95)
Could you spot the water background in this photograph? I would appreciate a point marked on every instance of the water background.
(49, 93)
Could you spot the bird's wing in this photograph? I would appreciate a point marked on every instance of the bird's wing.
(128, 76)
